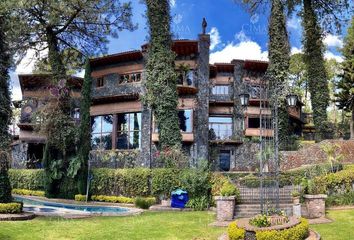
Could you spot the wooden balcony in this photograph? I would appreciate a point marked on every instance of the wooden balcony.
(186, 137)
(256, 132)
(184, 89)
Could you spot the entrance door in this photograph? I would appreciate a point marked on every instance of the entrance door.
(224, 160)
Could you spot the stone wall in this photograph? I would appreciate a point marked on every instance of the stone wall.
(246, 157)
(19, 155)
(313, 154)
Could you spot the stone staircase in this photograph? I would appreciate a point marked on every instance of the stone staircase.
(251, 200)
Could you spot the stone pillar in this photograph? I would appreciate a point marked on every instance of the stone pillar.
(238, 111)
(225, 208)
(315, 205)
(201, 122)
(146, 123)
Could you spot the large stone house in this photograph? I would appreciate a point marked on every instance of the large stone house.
(210, 114)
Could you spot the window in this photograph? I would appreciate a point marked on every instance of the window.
(220, 127)
(76, 114)
(186, 78)
(220, 90)
(256, 92)
(185, 120)
(102, 132)
(128, 130)
(100, 82)
(254, 122)
(129, 78)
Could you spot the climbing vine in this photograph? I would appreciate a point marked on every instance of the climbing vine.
(161, 76)
(278, 69)
(315, 68)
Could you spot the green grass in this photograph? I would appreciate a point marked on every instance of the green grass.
(341, 229)
(149, 225)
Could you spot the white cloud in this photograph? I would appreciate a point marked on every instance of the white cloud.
(214, 38)
(172, 3)
(330, 55)
(241, 37)
(15, 87)
(333, 40)
(294, 23)
(295, 50)
(241, 50)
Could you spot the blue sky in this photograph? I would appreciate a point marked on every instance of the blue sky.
(234, 32)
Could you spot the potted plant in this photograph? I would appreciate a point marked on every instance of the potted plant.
(296, 197)
(225, 204)
(314, 200)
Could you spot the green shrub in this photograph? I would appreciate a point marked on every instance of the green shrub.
(298, 232)
(234, 232)
(198, 203)
(28, 192)
(32, 179)
(164, 181)
(144, 203)
(217, 180)
(260, 221)
(112, 199)
(13, 207)
(80, 197)
(229, 189)
(335, 183)
(340, 199)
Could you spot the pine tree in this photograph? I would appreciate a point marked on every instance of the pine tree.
(345, 96)
(161, 76)
(5, 114)
(85, 129)
(278, 69)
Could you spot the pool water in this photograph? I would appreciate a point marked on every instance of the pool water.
(32, 204)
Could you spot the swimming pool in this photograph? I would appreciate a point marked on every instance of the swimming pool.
(41, 207)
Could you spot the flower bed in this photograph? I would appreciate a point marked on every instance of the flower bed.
(294, 229)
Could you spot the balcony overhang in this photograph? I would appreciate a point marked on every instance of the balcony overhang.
(186, 90)
(186, 137)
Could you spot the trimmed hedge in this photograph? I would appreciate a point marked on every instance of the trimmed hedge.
(298, 232)
(28, 192)
(234, 232)
(144, 203)
(335, 183)
(112, 199)
(13, 207)
(80, 198)
(31, 179)
(135, 182)
(340, 199)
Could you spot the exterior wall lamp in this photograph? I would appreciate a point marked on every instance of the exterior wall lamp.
(291, 100)
(244, 99)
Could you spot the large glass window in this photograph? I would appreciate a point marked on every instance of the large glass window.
(128, 130)
(102, 132)
(220, 90)
(254, 122)
(185, 120)
(221, 127)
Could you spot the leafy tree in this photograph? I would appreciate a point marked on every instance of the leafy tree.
(278, 69)
(345, 96)
(79, 25)
(297, 71)
(85, 129)
(161, 76)
(5, 113)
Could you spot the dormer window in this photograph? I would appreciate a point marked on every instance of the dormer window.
(100, 82)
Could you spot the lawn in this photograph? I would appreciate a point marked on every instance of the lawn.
(150, 225)
(341, 229)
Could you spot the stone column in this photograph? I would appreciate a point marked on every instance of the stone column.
(201, 122)
(315, 205)
(238, 111)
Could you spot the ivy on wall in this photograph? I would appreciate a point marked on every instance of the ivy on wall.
(315, 68)
(278, 69)
(161, 76)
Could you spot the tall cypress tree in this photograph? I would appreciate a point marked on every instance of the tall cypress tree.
(278, 69)
(5, 114)
(315, 68)
(85, 129)
(161, 76)
(345, 96)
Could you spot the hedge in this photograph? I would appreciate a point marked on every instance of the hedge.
(112, 199)
(13, 207)
(31, 179)
(135, 182)
(335, 183)
(28, 192)
(298, 232)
